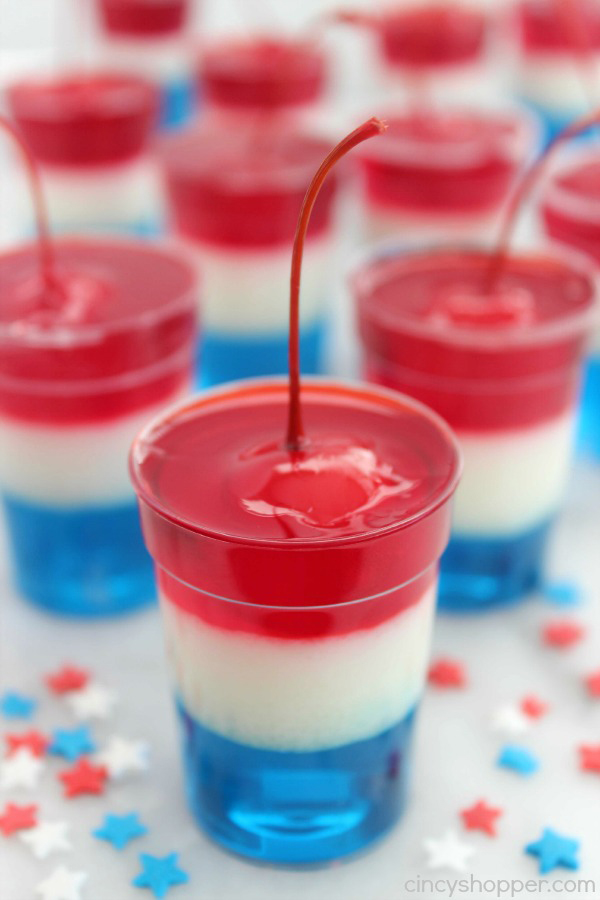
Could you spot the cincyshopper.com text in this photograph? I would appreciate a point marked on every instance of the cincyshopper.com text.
(498, 887)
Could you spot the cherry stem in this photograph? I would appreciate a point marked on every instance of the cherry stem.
(369, 129)
(523, 191)
(44, 240)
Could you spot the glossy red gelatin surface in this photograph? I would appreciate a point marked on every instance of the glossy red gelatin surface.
(542, 25)
(571, 207)
(143, 18)
(228, 512)
(510, 359)
(444, 162)
(85, 118)
(262, 74)
(432, 36)
(121, 337)
(244, 187)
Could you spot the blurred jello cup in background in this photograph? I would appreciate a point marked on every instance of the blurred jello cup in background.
(235, 197)
(442, 174)
(82, 367)
(571, 215)
(150, 38)
(298, 591)
(90, 134)
(502, 365)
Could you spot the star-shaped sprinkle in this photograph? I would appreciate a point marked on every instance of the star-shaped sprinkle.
(17, 706)
(448, 852)
(592, 683)
(533, 707)
(47, 838)
(16, 818)
(83, 778)
(481, 817)
(66, 679)
(554, 850)
(510, 720)
(589, 758)
(92, 702)
(63, 884)
(562, 634)
(32, 740)
(120, 830)
(21, 769)
(447, 673)
(72, 743)
(122, 756)
(519, 759)
(562, 593)
(160, 874)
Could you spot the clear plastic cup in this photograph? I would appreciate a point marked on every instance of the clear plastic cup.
(77, 382)
(503, 370)
(297, 608)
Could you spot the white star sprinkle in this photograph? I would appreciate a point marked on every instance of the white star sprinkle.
(62, 884)
(510, 720)
(92, 702)
(448, 852)
(22, 769)
(121, 756)
(47, 838)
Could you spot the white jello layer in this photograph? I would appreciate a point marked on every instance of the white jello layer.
(163, 59)
(555, 82)
(246, 292)
(415, 228)
(71, 465)
(512, 481)
(300, 695)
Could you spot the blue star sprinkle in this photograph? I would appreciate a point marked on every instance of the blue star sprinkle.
(120, 830)
(554, 850)
(519, 759)
(72, 744)
(160, 874)
(17, 706)
(562, 593)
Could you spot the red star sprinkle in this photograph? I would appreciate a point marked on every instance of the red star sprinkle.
(481, 817)
(590, 758)
(533, 707)
(562, 634)
(16, 818)
(447, 673)
(83, 778)
(31, 740)
(592, 683)
(69, 678)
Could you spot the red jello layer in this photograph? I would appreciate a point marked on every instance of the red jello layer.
(290, 623)
(143, 18)
(360, 510)
(440, 162)
(116, 333)
(571, 208)
(263, 74)
(547, 26)
(244, 188)
(432, 36)
(85, 118)
(510, 359)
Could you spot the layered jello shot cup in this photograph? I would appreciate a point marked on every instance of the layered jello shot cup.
(571, 215)
(234, 199)
(90, 134)
(502, 365)
(152, 40)
(442, 174)
(87, 355)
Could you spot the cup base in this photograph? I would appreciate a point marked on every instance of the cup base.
(479, 574)
(88, 562)
(588, 439)
(223, 359)
(296, 808)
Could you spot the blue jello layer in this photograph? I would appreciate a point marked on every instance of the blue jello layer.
(79, 562)
(229, 358)
(589, 422)
(479, 573)
(296, 808)
(178, 102)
